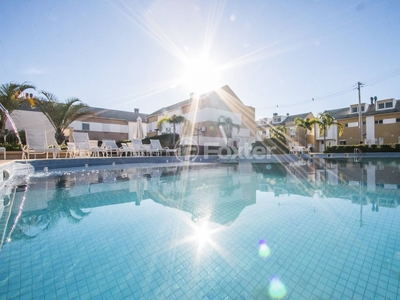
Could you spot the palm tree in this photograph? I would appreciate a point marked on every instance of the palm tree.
(10, 99)
(305, 124)
(227, 125)
(325, 121)
(278, 132)
(61, 115)
(174, 120)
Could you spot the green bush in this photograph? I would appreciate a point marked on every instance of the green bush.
(166, 139)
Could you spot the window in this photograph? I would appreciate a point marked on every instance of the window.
(354, 109)
(346, 125)
(398, 120)
(342, 142)
(379, 122)
(85, 126)
(385, 105)
(292, 132)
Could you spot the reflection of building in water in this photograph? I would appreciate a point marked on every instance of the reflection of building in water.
(219, 194)
(69, 196)
(377, 180)
(291, 179)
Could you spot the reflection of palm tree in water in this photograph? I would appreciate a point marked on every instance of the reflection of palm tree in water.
(62, 207)
(59, 207)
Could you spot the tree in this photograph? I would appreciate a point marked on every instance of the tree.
(174, 120)
(325, 121)
(305, 124)
(278, 132)
(227, 125)
(10, 98)
(61, 115)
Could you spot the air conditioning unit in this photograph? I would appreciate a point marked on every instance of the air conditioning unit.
(203, 129)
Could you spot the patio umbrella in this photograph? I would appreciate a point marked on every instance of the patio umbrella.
(139, 128)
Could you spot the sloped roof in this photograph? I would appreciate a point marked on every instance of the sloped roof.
(101, 113)
(344, 113)
(291, 118)
(225, 88)
(118, 114)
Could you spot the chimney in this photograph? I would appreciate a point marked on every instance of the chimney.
(136, 110)
(193, 96)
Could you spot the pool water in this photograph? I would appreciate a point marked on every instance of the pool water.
(307, 230)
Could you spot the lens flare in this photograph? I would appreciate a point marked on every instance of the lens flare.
(203, 234)
(264, 250)
(201, 74)
(277, 289)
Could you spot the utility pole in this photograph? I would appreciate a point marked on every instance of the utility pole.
(360, 123)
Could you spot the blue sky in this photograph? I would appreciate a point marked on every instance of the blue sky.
(275, 55)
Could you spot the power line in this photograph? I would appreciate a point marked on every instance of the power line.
(383, 77)
(342, 91)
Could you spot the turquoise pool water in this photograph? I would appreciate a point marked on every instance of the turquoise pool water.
(307, 230)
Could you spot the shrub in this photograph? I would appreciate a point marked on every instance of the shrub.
(166, 139)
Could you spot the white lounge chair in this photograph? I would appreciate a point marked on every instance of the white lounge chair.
(139, 148)
(72, 151)
(129, 148)
(95, 150)
(158, 149)
(86, 147)
(37, 143)
(110, 147)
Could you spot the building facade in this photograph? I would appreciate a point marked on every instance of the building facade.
(380, 123)
(104, 124)
(295, 137)
(205, 115)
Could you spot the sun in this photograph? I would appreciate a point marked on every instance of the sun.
(200, 75)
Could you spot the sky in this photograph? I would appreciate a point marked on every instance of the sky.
(285, 57)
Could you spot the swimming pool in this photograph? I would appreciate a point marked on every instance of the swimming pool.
(312, 229)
